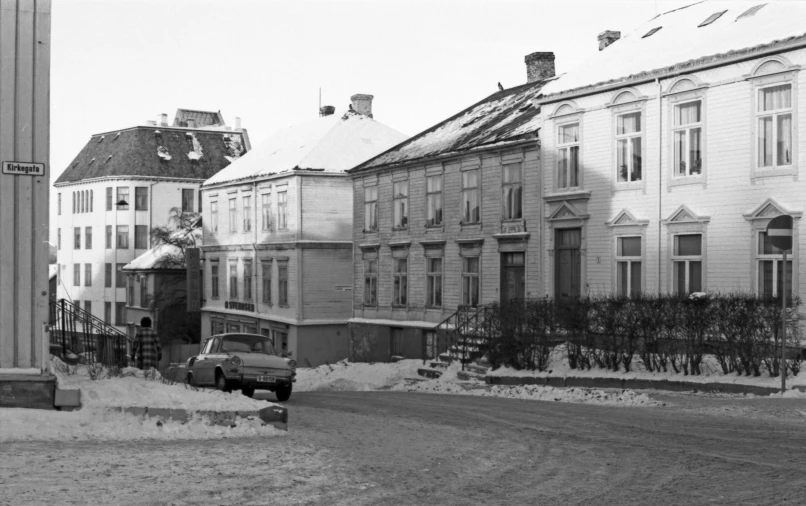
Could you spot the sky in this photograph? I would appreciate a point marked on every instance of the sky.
(118, 64)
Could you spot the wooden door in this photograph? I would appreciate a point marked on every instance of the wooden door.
(568, 263)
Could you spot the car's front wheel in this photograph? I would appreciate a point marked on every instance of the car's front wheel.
(248, 391)
(283, 393)
(221, 383)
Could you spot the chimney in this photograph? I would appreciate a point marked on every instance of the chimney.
(151, 122)
(326, 110)
(539, 66)
(191, 123)
(607, 37)
(162, 119)
(237, 123)
(362, 103)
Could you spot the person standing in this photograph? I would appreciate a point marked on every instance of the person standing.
(147, 347)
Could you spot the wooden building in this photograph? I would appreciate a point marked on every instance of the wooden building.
(450, 217)
(666, 155)
(278, 234)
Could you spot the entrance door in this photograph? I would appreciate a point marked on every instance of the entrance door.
(568, 263)
(513, 276)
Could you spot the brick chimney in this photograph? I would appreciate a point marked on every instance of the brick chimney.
(237, 123)
(539, 66)
(607, 37)
(326, 110)
(362, 103)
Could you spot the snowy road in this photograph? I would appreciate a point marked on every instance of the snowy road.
(406, 448)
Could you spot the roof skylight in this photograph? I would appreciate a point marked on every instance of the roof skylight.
(652, 32)
(750, 12)
(713, 17)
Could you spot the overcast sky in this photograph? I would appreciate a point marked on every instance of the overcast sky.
(118, 64)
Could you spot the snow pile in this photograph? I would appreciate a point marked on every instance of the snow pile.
(355, 376)
(197, 153)
(102, 424)
(163, 153)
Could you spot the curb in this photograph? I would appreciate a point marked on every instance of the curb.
(270, 415)
(631, 384)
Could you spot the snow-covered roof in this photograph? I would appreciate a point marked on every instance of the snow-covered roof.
(503, 118)
(681, 42)
(53, 270)
(332, 143)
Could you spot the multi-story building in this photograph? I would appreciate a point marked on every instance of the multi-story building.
(666, 155)
(450, 217)
(278, 234)
(121, 185)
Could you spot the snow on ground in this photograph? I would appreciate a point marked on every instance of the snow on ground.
(355, 376)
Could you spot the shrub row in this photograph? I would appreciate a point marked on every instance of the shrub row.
(662, 332)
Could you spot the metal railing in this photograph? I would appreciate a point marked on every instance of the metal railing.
(79, 337)
(464, 334)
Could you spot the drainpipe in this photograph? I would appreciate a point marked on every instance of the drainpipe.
(660, 180)
(254, 253)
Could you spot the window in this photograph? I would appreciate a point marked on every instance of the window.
(108, 198)
(687, 139)
(123, 196)
(433, 282)
(81, 202)
(400, 282)
(187, 200)
(76, 274)
(568, 156)
(143, 291)
(774, 115)
(247, 214)
(282, 210)
(87, 274)
(247, 280)
(141, 198)
(214, 279)
(651, 32)
(108, 313)
(123, 236)
(130, 290)
(74, 202)
(91, 199)
(470, 281)
(76, 315)
(214, 216)
(88, 307)
(233, 280)
(59, 204)
(371, 282)
(370, 209)
(120, 313)
(687, 263)
(628, 147)
(58, 238)
(141, 236)
(108, 275)
(77, 238)
(265, 203)
(771, 268)
(513, 192)
(433, 201)
(266, 267)
(120, 278)
(628, 266)
(109, 237)
(400, 201)
(751, 11)
(471, 210)
(282, 283)
(713, 17)
(233, 215)
(87, 237)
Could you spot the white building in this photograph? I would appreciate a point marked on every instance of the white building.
(122, 184)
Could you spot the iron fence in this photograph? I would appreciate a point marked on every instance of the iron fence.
(76, 336)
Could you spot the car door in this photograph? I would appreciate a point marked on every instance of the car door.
(205, 364)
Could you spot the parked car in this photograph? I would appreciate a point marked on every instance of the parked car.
(242, 361)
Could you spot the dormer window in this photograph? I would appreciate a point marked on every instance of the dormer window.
(652, 32)
(713, 17)
(750, 12)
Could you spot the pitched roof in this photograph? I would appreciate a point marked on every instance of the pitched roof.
(503, 118)
(681, 43)
(332, 143)
(202, 118)
(155, 151)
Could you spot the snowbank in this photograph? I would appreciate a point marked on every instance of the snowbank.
(355, 376)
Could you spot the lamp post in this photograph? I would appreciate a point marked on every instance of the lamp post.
(779, 232)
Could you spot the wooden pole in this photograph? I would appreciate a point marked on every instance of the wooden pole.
(783, 329)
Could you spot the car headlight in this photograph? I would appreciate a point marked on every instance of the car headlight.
(292, 364)
(235, 360)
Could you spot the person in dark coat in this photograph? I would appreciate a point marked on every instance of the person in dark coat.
(147, 347)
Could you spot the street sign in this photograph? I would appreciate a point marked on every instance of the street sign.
(779, 231)
(24, 168)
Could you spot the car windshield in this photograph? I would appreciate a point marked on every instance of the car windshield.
(247, 343)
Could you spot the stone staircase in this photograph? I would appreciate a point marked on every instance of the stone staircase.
(475, 370)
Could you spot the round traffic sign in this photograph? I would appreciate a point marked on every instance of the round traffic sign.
(779, 231)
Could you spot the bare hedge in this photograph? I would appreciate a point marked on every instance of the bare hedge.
(661, 332)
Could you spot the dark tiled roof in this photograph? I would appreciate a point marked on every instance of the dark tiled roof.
(134, 152)
(202, 118)
(505, 117)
